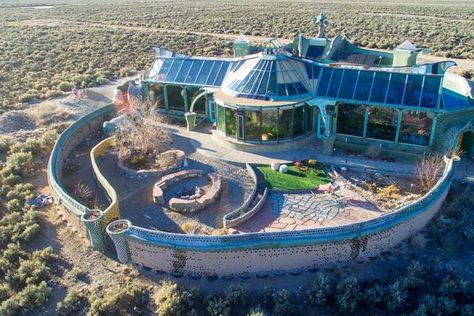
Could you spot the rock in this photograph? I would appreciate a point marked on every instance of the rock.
(283, 169)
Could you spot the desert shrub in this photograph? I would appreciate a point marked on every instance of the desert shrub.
(5, 143)
(118, 301)
(436, 305)
(396, 295)
(267, 296)
(31, 145)
(237, 295)
(171, 300)
(415, 275)
(389, 192)
(65, 86)
(10, 180)
(26, 300)
(283, 304)
(452, 285)
(20, 164)
(20, 192)
(48, 139)
(320, 290)
(348, 294)
(374, 295)
(18, 227)
(14, 205)
(218, 306)
(71, 304)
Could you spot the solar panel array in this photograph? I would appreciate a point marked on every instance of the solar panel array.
(189, 71)
(417, 90)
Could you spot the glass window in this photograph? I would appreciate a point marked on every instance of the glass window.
(175, 97)
(174, 70)
(348, 84)
(380, 87)
(272, 82)
(299, 122)
(230, 123)
(335, 83)
(269, 125)
(252, 125)
(429, 97)
(395, 91)
(290, 89)
(364, 84)
(285, 124)
(220, 118)
(413, 90)
(193, 73)
(300, 88)
(324, 83)
(181, 76)
(415, 128)
(204, 73)
(350, 119)
(214, 71)
(382, 123)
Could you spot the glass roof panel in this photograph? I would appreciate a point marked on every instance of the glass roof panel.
(183, 71)
(204, 72)
(194, 71)
(324, 81)
(335, 83)
(174, 70)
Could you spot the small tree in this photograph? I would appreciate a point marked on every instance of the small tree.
(144, 135)
(428, 169)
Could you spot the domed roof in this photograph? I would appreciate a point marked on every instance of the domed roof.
(268, 77)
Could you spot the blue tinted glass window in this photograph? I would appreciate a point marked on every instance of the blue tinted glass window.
(214, 72)
(364, 83)
(281, 89)
(335, 83)
(300, 88)
(395, 90)
(165, 67)
(348, 84)
(204, 73)
(256, 84)
(309, 70)
(413, 90)
(380, 87)
(429, 97)
(290, 89)
(220, 77)
(194, 71)
(174, 70)
(183, 71)
(316, 71)
(324, 83)
(272, 82)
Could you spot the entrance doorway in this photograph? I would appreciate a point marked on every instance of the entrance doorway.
(240, 126)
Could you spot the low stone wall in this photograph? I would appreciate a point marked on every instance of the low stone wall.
(169, 179)
(243, 213)
(177, 155)
(193, 205)
(288, 250)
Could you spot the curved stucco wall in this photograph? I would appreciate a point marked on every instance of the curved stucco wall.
(69, 208)
(289, 250)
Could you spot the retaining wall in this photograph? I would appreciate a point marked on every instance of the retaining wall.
(290, 250)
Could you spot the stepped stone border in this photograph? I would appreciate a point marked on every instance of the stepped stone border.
(243, 213)
(170, 179)
(193, 205)
(145, 173)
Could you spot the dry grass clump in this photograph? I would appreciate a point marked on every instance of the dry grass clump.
(428, 170)
(194, 228)
(49, 114)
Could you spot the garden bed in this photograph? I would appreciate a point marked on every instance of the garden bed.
(298, 177)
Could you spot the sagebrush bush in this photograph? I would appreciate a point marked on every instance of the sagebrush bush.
(320, 290)
(118, 301)
(171, 300)
(72, 303)
(218, 306)
(348, 294)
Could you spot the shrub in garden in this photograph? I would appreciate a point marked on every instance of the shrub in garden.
(171, 300)
(415, 275)
(374, 295)
(348, 294)
(396, 295)
(48, 139)
(237, 295)
(5, 143)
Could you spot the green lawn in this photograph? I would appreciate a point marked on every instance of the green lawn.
(294, 179)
